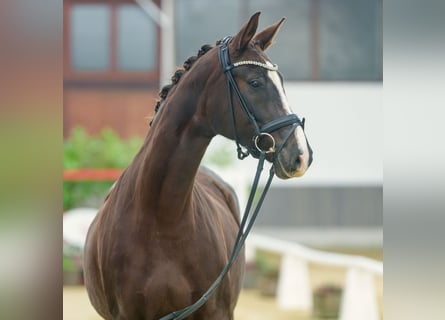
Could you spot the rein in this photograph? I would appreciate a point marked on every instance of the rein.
(246, 224)
(241, 237)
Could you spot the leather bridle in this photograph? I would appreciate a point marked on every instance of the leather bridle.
(259, 132)
(267, 129)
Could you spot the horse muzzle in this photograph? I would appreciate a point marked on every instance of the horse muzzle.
(294, 157)
(289, 150)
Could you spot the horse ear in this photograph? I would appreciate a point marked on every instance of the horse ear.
(265, 38)
(243, 37)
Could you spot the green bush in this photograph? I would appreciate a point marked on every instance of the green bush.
(104, 151)
(108, 151)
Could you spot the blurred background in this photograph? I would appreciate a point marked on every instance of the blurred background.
(117, 55)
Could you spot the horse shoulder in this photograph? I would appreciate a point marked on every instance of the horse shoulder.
(214, 183)
(93, 275)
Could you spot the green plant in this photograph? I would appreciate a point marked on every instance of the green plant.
(220, 153)
(107, 150)
(327, 300)
(267, 263)
(268, 266)
(68, 264)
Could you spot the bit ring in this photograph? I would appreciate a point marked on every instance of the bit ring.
(265, 134)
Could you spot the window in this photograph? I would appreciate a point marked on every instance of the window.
(90, 37)
(292, 53)
(350, 40)
(201, 22)
(321, 40)
(137, 39)
(109, 41)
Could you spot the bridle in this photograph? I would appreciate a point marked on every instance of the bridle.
(270, 127)
(259, 132)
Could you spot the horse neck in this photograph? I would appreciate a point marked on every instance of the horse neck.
(170, 156)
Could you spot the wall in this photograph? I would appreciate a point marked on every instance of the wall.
(126, 110)
(343, 187)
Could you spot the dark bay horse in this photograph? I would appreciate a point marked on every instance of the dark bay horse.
(167, 228)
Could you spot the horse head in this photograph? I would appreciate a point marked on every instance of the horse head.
(253, 109)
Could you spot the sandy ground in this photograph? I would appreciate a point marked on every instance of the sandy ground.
(251, 306)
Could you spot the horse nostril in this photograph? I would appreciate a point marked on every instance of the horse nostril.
(296, 165)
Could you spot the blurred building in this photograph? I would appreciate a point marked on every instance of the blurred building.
(111, 66)
(118, 54)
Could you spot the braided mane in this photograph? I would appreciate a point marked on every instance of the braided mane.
(179, 73)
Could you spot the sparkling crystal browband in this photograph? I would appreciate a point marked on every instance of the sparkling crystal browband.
(272, 67)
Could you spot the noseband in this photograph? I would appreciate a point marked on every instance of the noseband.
(264, 132)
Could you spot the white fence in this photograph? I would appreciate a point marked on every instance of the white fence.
(359, 300)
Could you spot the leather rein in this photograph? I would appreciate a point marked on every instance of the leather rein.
(259, 132)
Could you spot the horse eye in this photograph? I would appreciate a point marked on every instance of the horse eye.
(254, 83)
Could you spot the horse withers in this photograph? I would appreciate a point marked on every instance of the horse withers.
(168, 227)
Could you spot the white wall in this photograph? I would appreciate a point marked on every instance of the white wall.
(344, 125)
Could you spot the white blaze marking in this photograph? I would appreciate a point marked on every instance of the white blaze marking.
(298, 133)
(273, 76)
(302, 144)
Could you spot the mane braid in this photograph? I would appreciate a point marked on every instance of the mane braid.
(179, 73)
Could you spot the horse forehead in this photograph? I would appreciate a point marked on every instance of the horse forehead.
(276, 80)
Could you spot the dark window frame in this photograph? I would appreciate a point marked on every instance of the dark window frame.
(312, 59)
(113, 74)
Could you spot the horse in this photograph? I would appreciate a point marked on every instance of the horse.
(167, 227)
